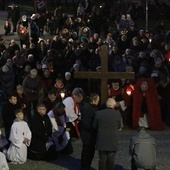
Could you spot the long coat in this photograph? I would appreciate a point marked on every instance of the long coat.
(41, 129)
(87, 133)
(30, 84)
(107, 122)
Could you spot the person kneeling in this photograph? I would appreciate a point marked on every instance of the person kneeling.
(41, 147)
(142, 148)
(20, 137)
(60, 125)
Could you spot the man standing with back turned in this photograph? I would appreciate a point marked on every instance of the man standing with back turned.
(107, 122)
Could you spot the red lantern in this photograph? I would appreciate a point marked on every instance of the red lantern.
(129, 90)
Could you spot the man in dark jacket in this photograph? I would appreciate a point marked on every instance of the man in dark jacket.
(41, 129)
(142, 148)
(14, 14)
(8, 112)
(87, 133)
(107, 122)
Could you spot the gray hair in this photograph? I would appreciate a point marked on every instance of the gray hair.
(78, 92)
(33, 71)
(111, 103)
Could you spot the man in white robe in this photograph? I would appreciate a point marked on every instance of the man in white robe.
(73, 111)
(59, 120)
(3, 162)
(20, 137)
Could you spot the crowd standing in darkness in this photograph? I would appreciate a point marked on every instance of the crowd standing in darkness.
(37, 76)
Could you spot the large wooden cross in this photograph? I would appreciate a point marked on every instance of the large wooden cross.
(104, 75)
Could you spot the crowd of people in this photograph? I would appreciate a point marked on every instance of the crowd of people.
(44, 106)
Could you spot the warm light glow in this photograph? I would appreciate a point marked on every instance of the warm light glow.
(150, 40)
(22, 30)
(168, 57)
(129, 91)
(62, 95)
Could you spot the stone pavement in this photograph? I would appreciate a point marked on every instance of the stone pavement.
(72, 162)
(122, 160)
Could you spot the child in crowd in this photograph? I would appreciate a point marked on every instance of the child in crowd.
(20, 137)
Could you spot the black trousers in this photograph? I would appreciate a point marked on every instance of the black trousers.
(87, 155)
(106, 160)
(68, 149)
(14, 23)
(51, 154)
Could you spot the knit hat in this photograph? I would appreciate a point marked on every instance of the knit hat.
(154, 75)
(76, 65)
(30, 55)
(33, 16)
(44, 66)
(19, 87)
(24, 18)
(67, 74)
(5, 68)
(98, 68)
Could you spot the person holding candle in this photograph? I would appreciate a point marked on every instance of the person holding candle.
(60, 87)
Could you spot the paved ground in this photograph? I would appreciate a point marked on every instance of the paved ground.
(72, 162)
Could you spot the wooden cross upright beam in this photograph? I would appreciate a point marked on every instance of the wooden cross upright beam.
(104, 75)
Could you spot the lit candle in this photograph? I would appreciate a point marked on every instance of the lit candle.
(150, 40)
(62, 95)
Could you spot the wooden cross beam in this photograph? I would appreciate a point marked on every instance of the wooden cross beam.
(104, 75)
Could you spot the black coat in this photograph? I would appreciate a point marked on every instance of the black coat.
(8, 115)
(40, 132)
(14, 14)
(86, 131)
